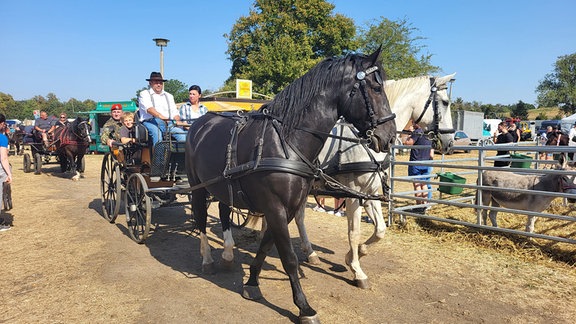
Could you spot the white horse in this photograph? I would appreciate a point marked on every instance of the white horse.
(422, 99)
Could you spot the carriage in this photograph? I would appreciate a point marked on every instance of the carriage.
(66, 147)
(143, 179)
(35, 154)
(131, 175)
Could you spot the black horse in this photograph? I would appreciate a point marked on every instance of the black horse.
(72, 142)
(263, 161)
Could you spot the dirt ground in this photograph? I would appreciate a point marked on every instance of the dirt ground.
(62, 262)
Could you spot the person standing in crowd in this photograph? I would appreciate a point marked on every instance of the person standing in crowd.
(420, 154)
(42, 127)
(515, 132)
(5, 171)
(572, 141)
(192, 109)
(111, 129)
(157, 108)
(502, 137)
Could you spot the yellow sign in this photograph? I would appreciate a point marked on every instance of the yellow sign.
(244, 89)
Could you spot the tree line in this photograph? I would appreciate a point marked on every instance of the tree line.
(280, 40)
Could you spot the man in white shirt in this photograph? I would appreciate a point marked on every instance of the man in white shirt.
(158, 110)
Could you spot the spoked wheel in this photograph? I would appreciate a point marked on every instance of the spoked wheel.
(138, 208)
(27, 163)
(110, 188)
(37, 163)
(239, 218)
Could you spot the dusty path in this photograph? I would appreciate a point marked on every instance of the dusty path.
(63, 263)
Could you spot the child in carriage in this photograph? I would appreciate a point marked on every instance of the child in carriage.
(129, 137)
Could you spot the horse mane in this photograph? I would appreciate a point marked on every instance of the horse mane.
(397, 88)
(297, 97)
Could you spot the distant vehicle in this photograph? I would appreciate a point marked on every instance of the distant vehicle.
(460, 139)
(554, 123)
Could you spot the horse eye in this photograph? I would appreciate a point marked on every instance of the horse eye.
(377, 89)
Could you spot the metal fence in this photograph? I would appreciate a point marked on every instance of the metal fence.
(461, 196)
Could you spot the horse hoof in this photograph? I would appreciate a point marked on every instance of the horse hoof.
(208, 268)
(227, 265)
(362, 283)
(251, 292)
(309, 319)
(314, 259)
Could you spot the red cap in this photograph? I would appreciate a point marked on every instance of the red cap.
(116, 107)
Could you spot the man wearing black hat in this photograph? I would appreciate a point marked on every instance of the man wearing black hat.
(157, 109)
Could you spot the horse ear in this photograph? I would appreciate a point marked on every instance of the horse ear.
(445, 79)
(374, 56)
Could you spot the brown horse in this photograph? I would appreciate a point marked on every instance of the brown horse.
(72, 142)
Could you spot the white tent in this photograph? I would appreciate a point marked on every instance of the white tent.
(567, 123)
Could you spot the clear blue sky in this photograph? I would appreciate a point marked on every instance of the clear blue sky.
(103, 50)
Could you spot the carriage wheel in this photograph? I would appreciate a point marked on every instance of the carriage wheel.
(138, 208)
(37, 163)
(239, 218)
(110, 188)
(27, 163)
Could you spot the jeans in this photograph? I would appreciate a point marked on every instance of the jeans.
(156, 127)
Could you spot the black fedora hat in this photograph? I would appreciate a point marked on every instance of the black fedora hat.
(156, 76)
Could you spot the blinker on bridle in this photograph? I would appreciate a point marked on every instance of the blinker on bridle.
(361, 84)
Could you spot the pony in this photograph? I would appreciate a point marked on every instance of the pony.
(263, 161)
(72, 142)
(355, 166)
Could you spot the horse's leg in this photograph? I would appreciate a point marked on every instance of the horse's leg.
(305, 244)
(354, 214)
(278, 234)
(73, 166)
(493, 213)
(228, 253)
(530, 224)
(80, 165)
(374, 210)
(200, 216)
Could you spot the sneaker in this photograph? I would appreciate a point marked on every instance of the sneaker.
(4, 228)
(338, 214)
(331, 212)
(154, 179)
(319, 209)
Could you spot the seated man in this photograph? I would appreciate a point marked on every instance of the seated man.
(42, 127)
(157, 109)
(111, 129)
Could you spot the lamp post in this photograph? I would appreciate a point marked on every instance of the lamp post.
(162, 42)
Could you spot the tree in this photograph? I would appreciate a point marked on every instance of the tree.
(521, 110)
(280, 40)
(401, 55)
(559, 87)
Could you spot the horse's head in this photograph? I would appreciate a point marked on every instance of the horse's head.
(81, 129)
(365, 104)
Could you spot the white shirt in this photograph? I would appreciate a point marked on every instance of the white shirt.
(163, 103)
(571, 134)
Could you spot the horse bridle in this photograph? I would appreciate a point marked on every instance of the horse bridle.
(361, 84)
(85, 137)
(433, 99)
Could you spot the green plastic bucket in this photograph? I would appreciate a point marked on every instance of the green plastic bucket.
(452, 178)
(520, 164)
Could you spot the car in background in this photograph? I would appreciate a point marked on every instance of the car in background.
(460, 139)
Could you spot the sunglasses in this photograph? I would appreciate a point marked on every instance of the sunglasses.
(62, 117)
